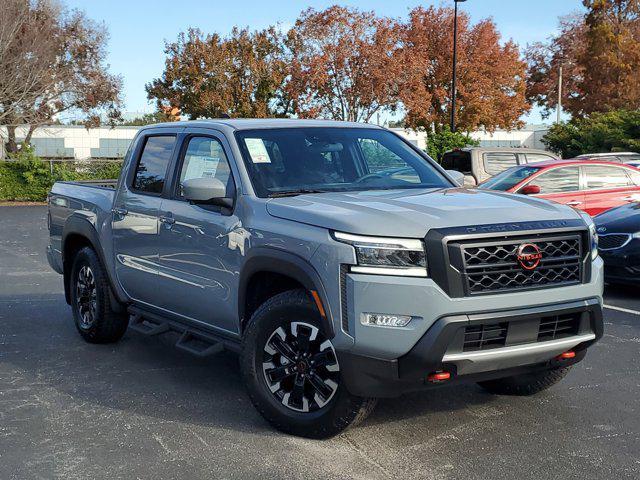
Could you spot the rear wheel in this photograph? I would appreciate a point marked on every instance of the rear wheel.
(95, 315)
(527, 384)
(292, 371)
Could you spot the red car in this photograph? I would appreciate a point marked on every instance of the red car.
(589, 185)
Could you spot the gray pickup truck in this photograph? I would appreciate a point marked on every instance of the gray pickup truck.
(341, 262)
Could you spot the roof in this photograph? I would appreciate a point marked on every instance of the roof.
(572, 161)
(503, 149)
(607, 154)
(256, 123)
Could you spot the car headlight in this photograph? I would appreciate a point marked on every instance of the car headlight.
(387, 256)
(636, 235)
(593, 235)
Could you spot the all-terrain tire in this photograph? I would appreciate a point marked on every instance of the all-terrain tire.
(527, 384)
(102, 321)
(341, 411)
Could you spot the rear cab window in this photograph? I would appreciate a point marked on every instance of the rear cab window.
(458, 160)
(151, 170)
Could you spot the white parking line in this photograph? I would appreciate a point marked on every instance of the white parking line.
(620, 309)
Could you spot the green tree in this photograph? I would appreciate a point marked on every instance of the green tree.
(445, 139)
(617, 130)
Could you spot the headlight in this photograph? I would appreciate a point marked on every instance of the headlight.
(387, 256)
(593, 235)
(636, 235)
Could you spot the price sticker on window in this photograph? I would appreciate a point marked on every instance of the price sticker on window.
(257, 150)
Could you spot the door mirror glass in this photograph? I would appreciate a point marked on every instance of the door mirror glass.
(530, 190)
(457, 177)
(205, 189)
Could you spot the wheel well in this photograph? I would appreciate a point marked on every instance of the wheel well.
(261, 287)
(72, 245)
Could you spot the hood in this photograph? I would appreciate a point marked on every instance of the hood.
(411, 213)
(624, 219)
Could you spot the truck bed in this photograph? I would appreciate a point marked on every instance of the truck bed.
(92, 201)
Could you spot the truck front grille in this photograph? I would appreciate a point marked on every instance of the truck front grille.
(491, 266)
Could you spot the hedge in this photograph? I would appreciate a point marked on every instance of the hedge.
(28, 178)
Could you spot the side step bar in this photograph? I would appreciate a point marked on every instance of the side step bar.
(195, 340)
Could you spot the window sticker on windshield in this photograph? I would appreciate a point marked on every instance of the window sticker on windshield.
(257, 150)
(202, 167)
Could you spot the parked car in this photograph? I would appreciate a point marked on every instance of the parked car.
(633, 163)
(619, 233)
(289, 242)
(588, 185)
(616, 157)
(479, 163)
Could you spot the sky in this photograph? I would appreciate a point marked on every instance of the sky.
(138, 28)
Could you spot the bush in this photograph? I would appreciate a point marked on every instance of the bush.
(445, 140)
(618, 130)
(28, 178)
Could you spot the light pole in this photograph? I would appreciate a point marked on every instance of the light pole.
(455, 59)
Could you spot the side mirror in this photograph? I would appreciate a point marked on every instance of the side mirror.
(530, 190)
(206, 190)
(457, 177)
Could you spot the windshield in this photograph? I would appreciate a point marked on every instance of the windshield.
(290, 161)
(509, 178)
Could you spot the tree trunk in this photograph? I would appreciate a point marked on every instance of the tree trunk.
(11, 145)
(27, 139)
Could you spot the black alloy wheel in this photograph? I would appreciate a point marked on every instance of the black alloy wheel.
(300, 367)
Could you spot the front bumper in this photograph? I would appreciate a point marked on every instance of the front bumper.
(439, 349)
(622, 265)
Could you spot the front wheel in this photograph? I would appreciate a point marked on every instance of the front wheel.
(292, 371)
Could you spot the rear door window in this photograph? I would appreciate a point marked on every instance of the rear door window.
(495, 163)
(459, 161)
(538, 157)
(152, 167)
(565, 179)
(603, 176)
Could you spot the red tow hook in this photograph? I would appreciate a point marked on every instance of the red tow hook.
(437, 377)
(566, 355)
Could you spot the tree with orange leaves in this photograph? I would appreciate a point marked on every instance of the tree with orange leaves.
(342, 64)
(210, 76)
(491, 75)
(600, 56)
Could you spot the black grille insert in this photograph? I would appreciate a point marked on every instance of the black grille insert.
(492, 265)
(613, 240)
(483, 337)
(558, 326)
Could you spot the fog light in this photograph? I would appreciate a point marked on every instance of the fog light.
(384, 320)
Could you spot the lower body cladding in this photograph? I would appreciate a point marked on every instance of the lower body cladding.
(497, 336)
(477, 347)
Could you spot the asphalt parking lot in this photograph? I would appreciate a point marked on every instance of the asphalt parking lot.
(143, 409)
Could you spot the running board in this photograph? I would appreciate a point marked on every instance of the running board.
(193, 338)
(197, 345)
(145, 326)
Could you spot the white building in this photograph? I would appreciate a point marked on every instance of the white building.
(71, 141)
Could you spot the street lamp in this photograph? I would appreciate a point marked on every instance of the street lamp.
(455, 59)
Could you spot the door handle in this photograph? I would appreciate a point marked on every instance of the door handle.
(168, 220)
(574, 203)
(120, 212)
(632, 198)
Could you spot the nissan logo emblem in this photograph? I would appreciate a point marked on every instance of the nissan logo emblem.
(529, 256)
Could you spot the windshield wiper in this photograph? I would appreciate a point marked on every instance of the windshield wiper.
(293, 193)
